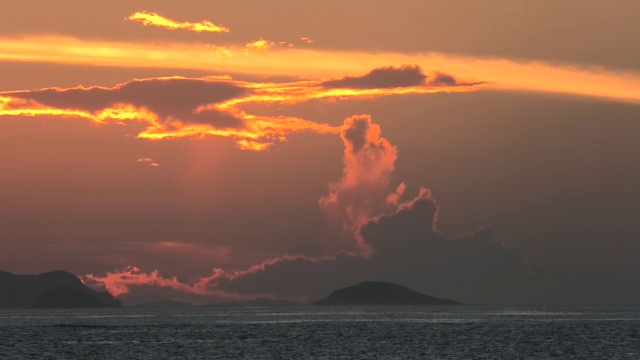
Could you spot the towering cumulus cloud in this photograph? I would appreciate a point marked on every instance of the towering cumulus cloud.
(362, 190)
(403, 245)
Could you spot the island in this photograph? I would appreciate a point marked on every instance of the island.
(381, 293)
(56, 289)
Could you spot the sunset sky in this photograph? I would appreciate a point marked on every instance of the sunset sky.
(206, 151)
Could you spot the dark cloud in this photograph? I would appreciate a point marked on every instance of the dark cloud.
(408, 249)
(169, 98)
(386, 77)
(391, 77)
(355, 136)
(442, 79)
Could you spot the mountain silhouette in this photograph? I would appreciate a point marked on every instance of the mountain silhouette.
(56, 289)
(381, 293)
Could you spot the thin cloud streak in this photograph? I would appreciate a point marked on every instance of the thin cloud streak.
(500, 74)
(119, 282)
(153, 19)
(122, 281)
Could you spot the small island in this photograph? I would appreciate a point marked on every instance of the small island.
(381, 293)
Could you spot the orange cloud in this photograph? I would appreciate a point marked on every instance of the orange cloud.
(362, 191)
(261, 44)
(286, 44)
(258, 132)
(153, 19)
(148, 161)
(359, 198)
(120, 282)
(394, 197)
(204, 107)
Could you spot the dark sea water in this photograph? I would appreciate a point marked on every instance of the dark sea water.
(303, 332)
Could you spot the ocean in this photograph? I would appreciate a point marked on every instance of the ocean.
(309, 332)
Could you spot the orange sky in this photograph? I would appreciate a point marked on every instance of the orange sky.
(131, 118)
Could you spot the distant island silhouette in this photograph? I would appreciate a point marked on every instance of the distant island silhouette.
(381, 293)
(56, 289)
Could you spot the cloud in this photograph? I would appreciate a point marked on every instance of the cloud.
(362, 191)
(261, 44)
(386, 77)
(403, 246)
(286, 44)
(442, 79)
(118, 283)
(379, 238)
(406, 248)
(153, 19)
(392, 77)
(351, 202)
(132, 285)
(148, 161)
(135, 286)
(179, 107)
(169, 98)
(439, 79)
(171, 107)
(394, 197)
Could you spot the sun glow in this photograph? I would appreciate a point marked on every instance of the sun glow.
(499, 74)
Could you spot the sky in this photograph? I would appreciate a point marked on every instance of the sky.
(215, 151)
